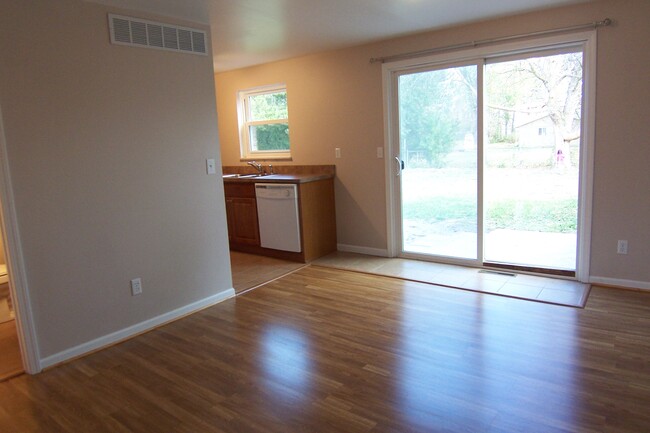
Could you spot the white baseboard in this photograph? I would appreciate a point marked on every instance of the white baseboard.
(363, 250)
(630, 284)
(138, 328)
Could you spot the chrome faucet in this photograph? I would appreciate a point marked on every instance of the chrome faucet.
(257, 166)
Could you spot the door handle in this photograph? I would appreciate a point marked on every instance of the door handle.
(400, 165)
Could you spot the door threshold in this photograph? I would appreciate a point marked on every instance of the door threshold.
(531, 269)
(490, 271)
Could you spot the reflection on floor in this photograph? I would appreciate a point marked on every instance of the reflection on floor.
(331, 351)
(249, 271)
(10, 359)
(548, 290)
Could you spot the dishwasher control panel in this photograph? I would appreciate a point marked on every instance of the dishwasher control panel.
(275, 190)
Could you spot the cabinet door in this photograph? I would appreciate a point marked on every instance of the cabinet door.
(242, 224)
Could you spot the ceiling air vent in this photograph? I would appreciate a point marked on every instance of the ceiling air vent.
(142, 33)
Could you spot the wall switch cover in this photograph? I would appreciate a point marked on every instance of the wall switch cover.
(210, 166)
(380, 152)
(337, 152)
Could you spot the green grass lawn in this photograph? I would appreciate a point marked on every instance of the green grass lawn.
(553, 216)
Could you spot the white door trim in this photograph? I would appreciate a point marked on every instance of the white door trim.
(391, 128)
(391, 144)
(15, 264)
(588, 148)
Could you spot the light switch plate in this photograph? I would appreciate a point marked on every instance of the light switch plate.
(210, 166)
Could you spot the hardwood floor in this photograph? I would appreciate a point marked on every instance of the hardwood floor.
(250, 270)
(325, 350)
(11, 363)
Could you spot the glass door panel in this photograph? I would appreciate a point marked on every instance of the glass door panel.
(438, 147)
(531, 154)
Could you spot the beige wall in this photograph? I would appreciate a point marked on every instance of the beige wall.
(335, 100)
(107, 147)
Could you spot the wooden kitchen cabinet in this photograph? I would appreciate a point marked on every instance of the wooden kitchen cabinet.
(241, 213)
(317, 217)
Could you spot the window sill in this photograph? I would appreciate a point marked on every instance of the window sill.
(266, 158)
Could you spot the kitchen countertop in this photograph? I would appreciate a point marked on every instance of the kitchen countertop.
(279, 178)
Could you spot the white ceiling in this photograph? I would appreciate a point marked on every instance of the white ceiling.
(250, 32)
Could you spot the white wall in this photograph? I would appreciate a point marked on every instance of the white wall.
(107, 147)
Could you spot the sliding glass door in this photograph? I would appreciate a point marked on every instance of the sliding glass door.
(490, 160)
(438, 126)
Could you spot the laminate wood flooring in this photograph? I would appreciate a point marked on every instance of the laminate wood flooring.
(6, 315)
(324, 350)
(11, 363)
(530, 287)
(250, 270)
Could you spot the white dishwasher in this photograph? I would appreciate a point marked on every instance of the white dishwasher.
(277, 211)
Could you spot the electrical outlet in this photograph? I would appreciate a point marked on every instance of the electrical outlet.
(136, 286)
(380, 152)
(622, 247)
(337, 152)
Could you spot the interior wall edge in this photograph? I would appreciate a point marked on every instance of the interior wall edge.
(107, 152)
(25, 326)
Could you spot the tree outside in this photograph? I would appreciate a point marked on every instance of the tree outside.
(539, 95)
(433, 116)
(269, 107)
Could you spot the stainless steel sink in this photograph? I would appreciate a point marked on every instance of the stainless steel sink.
(239, 176)
(244, 176)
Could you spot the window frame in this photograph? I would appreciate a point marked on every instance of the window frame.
(245, 122)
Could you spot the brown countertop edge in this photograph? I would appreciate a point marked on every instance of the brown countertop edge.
(281, 178)
(282, 174)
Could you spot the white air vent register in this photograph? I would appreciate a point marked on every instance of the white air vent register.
(150, 34)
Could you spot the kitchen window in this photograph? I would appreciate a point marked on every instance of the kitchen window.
(264, 123)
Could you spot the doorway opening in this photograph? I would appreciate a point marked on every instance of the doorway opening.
(13, 337)
(11, 362)
(494, 153)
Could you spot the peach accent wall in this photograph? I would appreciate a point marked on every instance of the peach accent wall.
(107, 147)
(335, 100)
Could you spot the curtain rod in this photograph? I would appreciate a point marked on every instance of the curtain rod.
(604, 23)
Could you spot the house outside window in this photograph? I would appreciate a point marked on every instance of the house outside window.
(264, 123)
